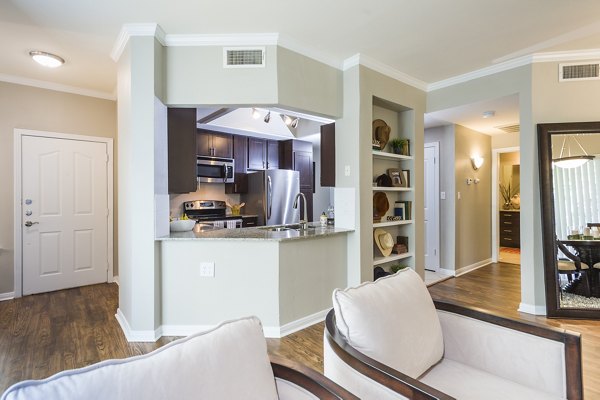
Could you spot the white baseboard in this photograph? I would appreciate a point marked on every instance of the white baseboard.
(532, 309)
(472, 267)
(274, 332)
(447, 272)
(136, 336)
(300, 324)
(7, 296)
(115, 279)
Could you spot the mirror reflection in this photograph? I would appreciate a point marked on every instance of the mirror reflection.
(576, 192)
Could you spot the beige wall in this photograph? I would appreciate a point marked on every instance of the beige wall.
(473, 209)
(444, 135)
(45, 110)
(505, 140)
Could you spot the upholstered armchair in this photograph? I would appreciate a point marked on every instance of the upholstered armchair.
(228, 362)
(388, 340)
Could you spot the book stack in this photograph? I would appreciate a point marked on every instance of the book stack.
(403, 209)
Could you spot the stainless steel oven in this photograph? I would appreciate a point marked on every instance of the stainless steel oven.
(215, 170)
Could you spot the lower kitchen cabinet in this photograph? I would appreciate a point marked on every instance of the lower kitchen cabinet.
(249, 221)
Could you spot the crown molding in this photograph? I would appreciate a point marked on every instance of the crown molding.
(249, 39)
(57, 87)
(129, 30)
(557, 56)
(384, 69)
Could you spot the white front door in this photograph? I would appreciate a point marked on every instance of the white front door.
(432, 192)
(64, 213)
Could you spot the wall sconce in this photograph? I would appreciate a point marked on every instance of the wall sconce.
(476, 162)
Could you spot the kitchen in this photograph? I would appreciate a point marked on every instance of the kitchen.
(267, 263)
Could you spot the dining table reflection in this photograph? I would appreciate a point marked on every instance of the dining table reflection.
(589, 252)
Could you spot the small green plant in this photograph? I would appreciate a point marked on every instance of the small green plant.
(397, 267)
(396, 144)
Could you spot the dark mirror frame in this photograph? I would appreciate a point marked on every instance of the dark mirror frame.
(545, 132)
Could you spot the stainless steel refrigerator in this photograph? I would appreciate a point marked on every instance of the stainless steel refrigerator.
(271, 196)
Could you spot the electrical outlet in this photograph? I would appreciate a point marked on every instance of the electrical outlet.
(207, 269)
(443, 195)
(347, 170)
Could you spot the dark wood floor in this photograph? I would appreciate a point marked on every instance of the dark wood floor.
(44, 334)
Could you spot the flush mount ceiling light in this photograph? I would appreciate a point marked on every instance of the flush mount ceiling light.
(571, 161)
(488, 114)
(46, 59)
(267, 117)
(476, 162)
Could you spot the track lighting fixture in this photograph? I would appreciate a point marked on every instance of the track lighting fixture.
(267, 117)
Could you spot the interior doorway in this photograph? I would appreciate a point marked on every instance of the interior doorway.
(63, 211)
(506, 238)
(432, 206)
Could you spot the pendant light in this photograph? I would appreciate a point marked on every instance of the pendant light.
(571, 161)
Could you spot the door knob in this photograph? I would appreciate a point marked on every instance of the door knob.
(29, 223)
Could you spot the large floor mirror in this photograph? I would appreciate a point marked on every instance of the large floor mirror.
(569, 157)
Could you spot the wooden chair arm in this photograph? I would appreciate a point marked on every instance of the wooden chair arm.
(309, 379)
(378, 372)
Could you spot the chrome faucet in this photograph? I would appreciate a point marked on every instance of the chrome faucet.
(303, 222)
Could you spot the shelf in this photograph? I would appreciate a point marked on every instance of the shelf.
(391, 189)
(382, 155)
(392, 223)
(394, 257)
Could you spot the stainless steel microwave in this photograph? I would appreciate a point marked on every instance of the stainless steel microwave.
(215, 170)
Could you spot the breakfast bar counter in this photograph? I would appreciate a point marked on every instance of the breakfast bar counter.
(284, 277)
(260, 233)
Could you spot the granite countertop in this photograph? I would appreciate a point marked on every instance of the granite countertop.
(253, 233)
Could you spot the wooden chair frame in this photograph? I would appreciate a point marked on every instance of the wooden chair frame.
(413, 389)
(309, 379)
(578, 270)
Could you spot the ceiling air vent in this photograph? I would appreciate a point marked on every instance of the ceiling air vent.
(579, 72)
(510, 128)
(243, 57)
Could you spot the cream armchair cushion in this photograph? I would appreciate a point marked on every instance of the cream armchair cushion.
(228, 362)
(399, 312)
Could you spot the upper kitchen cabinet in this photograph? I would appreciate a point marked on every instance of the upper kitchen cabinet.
(181, 126)
(263, 154)
(328, 155)
(240, 155)
(214, 144)
(297, 155)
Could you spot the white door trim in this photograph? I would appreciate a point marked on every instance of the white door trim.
(18, 245)
(436, 198)
(495, 205)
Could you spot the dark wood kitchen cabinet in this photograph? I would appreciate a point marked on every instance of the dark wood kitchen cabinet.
(328, 155)
(181, 131)
(240, 155)
(297, 155)
(510, 229)
(263, 154)
(214, 144)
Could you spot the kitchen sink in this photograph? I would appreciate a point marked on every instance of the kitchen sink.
(291, 227)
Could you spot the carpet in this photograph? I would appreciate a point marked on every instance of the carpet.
(571, 300)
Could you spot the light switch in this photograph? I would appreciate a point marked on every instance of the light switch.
(347, 170)
(443, 195)
(207, 269)
(458, 195)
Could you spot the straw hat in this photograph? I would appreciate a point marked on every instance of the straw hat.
(384, 241)
(381, 132)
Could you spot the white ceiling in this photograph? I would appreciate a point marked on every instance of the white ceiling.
(430, 40)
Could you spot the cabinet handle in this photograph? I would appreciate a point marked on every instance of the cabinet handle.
(509, 239)
(507, 230)
(508, 223)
